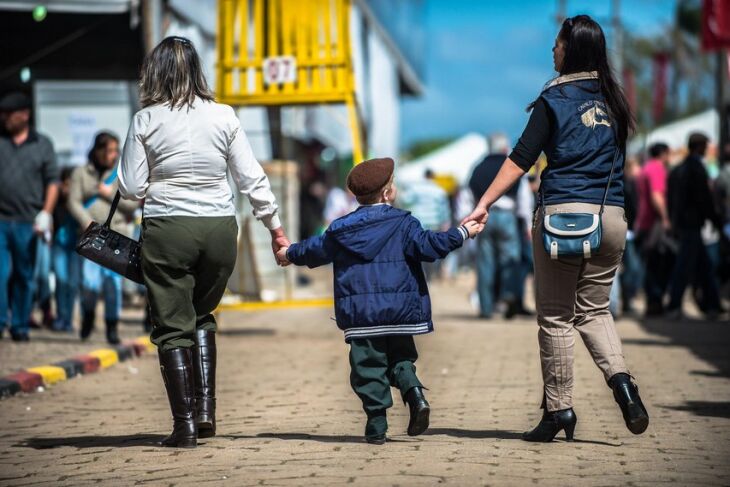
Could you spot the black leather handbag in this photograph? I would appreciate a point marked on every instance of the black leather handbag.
(110, 249)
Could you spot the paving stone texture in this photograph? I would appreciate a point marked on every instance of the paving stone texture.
(287, 415)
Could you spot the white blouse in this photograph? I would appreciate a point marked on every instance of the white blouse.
(177, 161)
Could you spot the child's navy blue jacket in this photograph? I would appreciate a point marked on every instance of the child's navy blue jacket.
(380, 288)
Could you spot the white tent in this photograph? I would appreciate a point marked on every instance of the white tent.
(456, 159)
(675, 134)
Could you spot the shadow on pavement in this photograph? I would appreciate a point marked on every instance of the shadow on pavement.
(593, 442)
(709, 341)
(704, 408)
(122, 441)
(308, 437)
(476, 434)
(498, 434)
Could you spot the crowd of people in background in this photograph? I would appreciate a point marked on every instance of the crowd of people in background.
(678, 219)
(43, 208)
(680, 232)
(679, 235)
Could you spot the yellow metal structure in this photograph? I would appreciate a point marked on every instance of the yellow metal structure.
(315, 33)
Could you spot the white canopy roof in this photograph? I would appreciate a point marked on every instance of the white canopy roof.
(456, 159)
(675, 134)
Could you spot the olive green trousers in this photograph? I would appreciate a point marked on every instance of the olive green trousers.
(376, 365)
(186, 262)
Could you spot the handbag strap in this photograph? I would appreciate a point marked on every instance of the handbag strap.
(112, 210)
(610, 177)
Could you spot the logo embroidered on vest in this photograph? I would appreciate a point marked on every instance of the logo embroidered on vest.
(595, 116)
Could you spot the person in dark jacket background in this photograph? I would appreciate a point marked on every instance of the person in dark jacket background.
(631, 275)
(499, 247)
(381, 295)
(28, 195)
(690, 206)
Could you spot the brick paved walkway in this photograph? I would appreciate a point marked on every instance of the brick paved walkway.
(287, 415)
(48, 347)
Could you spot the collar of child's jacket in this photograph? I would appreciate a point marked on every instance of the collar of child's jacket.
(373, 204)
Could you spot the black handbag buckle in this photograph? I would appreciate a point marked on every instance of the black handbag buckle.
(98, 243)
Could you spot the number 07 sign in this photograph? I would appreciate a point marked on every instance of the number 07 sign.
(280, 69)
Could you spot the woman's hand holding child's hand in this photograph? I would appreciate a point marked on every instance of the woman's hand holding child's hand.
(281, 257)
(473, 228)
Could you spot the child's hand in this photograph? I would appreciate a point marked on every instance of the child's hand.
(281, 257)
(473, 228)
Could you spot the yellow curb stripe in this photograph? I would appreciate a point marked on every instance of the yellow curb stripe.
(49, 373)
(146, 342)
(107, 357)
(288, 304)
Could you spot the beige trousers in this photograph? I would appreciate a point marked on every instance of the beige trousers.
(573, 292)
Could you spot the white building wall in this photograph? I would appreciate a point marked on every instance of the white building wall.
(384, 97)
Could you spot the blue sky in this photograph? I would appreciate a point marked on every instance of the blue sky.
(487, 59)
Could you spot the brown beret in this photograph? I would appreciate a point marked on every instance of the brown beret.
(370, 176)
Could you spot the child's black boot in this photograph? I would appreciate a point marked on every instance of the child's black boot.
(420, 411)
(375, 428)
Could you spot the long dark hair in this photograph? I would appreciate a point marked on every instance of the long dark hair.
(101, 141)
(585, 50)
(172, 73)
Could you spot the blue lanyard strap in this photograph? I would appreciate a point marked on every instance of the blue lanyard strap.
(109, 180)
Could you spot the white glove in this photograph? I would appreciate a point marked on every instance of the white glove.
(43, 222)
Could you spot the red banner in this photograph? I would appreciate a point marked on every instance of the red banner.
(630, 88)
(715, 24)
(661, 68)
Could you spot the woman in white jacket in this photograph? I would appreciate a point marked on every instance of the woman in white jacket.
(179, 150)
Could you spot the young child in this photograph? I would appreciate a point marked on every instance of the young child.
(381, 297)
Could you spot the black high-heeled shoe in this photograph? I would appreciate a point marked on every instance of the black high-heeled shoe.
(626, 394)
(551, 424)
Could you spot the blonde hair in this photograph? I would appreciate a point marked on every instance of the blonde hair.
(172, 74)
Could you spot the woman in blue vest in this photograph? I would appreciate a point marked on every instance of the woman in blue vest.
(581, 121)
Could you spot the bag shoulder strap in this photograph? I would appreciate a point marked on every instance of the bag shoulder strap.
(112, 210)
(613, 166)
(610, 177)
(616, 153)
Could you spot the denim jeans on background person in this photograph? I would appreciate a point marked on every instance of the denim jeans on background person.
(498, 260)
(632, 274)
(17, 256)
(42, 274)
(96, 279)
(526, 264)
(67, 269)
(693, 265)
(711, 280)
(658, 261)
